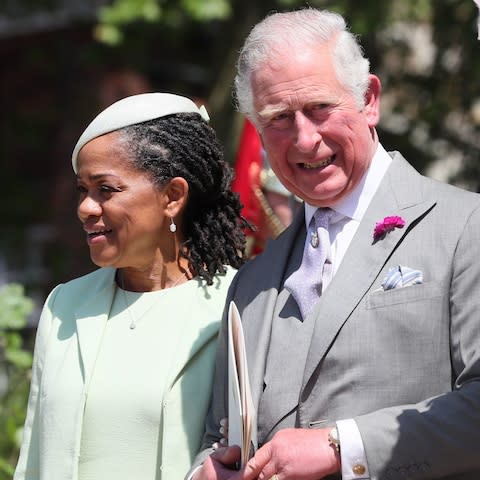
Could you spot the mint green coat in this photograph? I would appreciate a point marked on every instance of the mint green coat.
(68, 339)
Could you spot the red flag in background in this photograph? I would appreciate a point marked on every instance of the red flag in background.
(248, 165)
(267, 204)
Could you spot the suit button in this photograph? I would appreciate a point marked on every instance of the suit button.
(359, 469)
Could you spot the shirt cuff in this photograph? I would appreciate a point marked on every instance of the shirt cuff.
(352, 451)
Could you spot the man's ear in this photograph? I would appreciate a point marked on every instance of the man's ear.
(372, 101)
(176, 193)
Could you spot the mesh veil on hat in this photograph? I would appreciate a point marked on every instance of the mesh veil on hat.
(135, 109)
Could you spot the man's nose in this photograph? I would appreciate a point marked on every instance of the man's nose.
(307, 135)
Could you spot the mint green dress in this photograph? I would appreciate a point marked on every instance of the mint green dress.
(112, 402)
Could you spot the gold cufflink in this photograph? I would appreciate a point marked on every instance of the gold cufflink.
(359, 469)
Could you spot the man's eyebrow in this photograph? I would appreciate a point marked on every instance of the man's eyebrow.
(271, 110)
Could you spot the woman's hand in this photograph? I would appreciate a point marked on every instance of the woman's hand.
(220, 465)
(223, 442)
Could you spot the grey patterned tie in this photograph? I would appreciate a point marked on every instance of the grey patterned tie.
(305, 284)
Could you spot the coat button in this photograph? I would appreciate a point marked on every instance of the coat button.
(359, 469)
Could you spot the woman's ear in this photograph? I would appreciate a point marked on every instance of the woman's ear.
(176, 193)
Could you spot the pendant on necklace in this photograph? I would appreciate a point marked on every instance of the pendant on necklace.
(133, 320)
(314, 240)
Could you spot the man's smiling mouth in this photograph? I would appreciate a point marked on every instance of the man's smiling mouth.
(321, 164)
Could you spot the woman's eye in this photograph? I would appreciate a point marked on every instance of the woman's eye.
(108, 189)
(81, 189)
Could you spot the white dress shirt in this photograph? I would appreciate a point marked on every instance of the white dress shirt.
(343, 226)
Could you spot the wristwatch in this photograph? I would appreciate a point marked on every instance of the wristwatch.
(334, 440)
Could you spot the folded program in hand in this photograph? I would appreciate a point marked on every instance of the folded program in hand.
(241, 412)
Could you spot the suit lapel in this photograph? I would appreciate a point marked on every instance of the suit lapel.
(258, 325)
(257, 302)
(91, 319)
(399, 194)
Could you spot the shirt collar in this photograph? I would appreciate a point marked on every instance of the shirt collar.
(355, 204)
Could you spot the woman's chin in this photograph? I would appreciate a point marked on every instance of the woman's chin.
(102, 261)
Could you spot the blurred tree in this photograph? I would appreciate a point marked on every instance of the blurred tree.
(425, 52)
(15, 364)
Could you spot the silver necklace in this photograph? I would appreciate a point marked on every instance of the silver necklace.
(133, 321)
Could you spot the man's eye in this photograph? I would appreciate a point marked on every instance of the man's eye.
(281, 120)
(319, 109)
(282, 116)
(81, 189)
(320, 106)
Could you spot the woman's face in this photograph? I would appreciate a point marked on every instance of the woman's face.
(121, 210)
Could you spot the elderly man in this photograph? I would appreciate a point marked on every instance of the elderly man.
(362, 320)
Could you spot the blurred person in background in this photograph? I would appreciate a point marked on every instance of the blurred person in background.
(267, 204)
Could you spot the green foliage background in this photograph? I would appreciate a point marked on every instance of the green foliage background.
(432, 111)
(15, 363)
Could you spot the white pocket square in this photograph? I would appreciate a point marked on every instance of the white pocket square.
(401, 276)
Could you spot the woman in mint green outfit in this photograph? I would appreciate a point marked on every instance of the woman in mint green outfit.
(123, 358)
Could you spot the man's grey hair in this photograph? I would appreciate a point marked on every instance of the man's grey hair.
(280, 33)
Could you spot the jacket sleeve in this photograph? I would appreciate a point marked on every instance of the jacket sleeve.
(28, 465)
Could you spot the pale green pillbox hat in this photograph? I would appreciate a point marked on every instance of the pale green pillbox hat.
(135, 109)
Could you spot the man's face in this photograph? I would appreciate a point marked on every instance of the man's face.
(318, 142)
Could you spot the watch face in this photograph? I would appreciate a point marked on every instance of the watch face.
(333, 439)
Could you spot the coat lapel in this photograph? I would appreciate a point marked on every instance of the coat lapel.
(198, 328)
(399, 194)
(91, 319)
(258, 324)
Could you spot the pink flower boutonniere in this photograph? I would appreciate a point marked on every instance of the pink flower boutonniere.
(387, 225)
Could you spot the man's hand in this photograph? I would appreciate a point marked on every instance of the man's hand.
(294, 454)
(219, 465)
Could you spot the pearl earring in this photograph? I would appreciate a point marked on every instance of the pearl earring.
(173, 227)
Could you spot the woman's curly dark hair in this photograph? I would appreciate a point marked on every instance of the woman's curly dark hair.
(184, 145)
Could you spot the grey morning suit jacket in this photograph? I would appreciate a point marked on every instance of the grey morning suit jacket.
(404, 363)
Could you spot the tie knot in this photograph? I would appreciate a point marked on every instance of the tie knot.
(322, 217)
